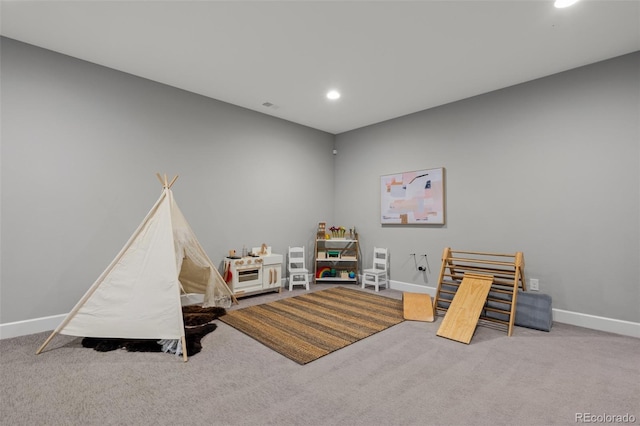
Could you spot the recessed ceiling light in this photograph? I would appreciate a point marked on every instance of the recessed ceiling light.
(333, 95)
(564, 3)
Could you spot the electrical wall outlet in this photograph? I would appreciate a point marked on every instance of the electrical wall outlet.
(534, 285)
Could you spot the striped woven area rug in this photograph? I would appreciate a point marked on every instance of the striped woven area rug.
(307, 327)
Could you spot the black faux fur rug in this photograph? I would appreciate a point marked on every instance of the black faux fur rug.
(194, 315)
(197, 324)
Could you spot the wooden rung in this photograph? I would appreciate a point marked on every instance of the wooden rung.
(480, 253)
(496, 320)
(496, 310)
(497, 273)
(507, 273)
(497, 289)
(500, 279)
(506, 302)
(502, 291)
(484, 262)
(453, 279)
(482, 269)
(505, 283)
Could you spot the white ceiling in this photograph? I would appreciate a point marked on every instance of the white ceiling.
(388, 58)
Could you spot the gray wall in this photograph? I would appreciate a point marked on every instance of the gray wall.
(549, 168)
(80, 148)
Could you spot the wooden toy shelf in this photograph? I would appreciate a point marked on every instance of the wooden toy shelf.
(336, 258)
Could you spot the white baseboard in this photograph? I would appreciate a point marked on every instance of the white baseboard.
(594, 322)
(36, 325)
(412, 288)
(611, 325)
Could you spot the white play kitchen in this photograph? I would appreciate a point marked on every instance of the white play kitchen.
(255, 271)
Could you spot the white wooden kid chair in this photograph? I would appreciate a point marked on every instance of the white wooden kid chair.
(298, 273)
(377, 275)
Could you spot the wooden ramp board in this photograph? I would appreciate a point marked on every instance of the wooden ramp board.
(417, 307)
(461, 319)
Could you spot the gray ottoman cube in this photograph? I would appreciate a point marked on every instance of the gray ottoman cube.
(533, 310)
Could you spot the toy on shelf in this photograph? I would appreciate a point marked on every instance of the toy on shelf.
(322, 229)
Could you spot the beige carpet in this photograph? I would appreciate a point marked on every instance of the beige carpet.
(307, 327)
(403, 376)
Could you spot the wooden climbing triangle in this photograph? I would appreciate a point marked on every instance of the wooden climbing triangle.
(504, 274)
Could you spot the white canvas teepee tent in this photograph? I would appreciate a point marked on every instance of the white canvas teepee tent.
(138, 296)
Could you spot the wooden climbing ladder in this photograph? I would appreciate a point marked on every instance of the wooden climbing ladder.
(506, 275)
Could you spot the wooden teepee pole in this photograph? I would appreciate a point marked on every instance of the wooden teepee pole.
(165, 182)
(184, 348)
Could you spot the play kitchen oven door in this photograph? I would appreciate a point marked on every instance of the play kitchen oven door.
(246, 275)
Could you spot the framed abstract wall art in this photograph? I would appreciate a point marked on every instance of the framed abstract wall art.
(412, 198)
